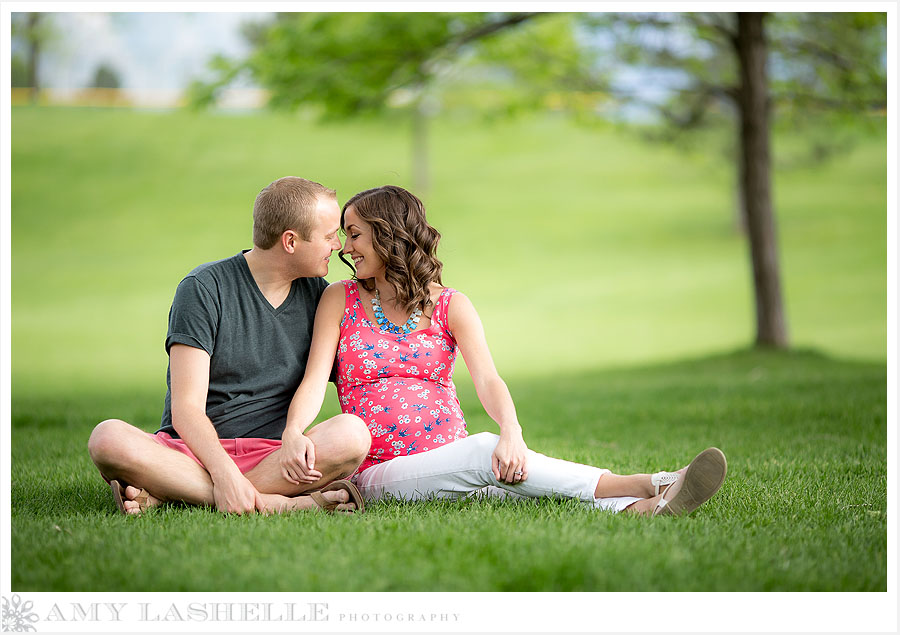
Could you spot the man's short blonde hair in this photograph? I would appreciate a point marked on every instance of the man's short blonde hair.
(288, 203)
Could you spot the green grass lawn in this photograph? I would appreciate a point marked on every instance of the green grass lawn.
(626, 248)
(598, 264)
(804, 506)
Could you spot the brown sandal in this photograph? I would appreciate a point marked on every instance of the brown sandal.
(343, 484)
(118, 491)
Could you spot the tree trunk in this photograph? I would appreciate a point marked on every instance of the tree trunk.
(33, 55)
(419, 149)
(755, 180)
(740, 213)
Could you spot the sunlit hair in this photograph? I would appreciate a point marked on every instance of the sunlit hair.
(404, 241)
(288, 203)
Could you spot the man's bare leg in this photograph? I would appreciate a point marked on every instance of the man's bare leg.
(275, 503)
(341, 446)
(122, 451)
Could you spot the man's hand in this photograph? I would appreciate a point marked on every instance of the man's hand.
(508, 461)
(234, 494)
(298, 458)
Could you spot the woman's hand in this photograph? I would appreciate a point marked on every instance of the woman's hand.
(509, 459)
(298, 453)
(298, 458)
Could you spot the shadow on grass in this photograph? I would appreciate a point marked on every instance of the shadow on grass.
(803, 507)
(753, 404)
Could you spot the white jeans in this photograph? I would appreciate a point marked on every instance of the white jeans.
(464, 467)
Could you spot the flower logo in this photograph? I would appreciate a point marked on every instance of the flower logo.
(17, 616)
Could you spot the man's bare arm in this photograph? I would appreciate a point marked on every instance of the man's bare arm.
(189, 375)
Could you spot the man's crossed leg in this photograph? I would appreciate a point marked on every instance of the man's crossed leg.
(126, 453)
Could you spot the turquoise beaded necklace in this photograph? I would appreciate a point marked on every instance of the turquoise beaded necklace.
(389, 326)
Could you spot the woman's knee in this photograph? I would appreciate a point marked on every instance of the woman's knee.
(484, 443)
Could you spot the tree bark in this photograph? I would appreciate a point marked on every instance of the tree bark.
(34, 49)
(740, 201)
(755, 180)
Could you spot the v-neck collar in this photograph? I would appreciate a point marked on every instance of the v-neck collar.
(259, 294)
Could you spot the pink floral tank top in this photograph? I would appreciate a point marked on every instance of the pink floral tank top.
(400, 385)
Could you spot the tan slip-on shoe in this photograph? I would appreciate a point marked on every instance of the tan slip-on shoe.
(703, 478)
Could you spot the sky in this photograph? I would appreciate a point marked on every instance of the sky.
(152, 52)
(157, 55)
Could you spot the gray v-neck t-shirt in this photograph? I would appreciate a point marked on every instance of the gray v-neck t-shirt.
(258, 353)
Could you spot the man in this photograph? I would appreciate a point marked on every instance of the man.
(238, 340)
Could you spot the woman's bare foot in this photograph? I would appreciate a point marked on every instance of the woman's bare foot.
(278, 504)
(138, 500)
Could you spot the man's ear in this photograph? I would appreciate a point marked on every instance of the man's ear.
(289, 241)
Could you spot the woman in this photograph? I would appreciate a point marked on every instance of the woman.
(395, 331)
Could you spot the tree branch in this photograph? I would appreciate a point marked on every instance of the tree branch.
(454, 43)
(816, 50)
(713, 23)
(484, 30)
(730, 34)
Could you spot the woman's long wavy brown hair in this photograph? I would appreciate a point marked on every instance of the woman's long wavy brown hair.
(404, 241)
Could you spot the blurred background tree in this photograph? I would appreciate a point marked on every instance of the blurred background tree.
(747, 67)
(31, 32)
(360, 63)
(711, 67)
(105, 77)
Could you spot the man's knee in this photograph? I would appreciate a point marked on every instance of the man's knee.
(108, 442)
(354, 435)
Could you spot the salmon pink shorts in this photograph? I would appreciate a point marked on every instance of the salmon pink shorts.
(246, 453)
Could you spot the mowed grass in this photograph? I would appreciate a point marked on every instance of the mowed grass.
(803, 508)
(596, 263)
(621, 252)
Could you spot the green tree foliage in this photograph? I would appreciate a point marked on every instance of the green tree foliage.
(350, 64)
(828, 61)
(19, 72)
(818, 63)
(705, 67)
(750, 68)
